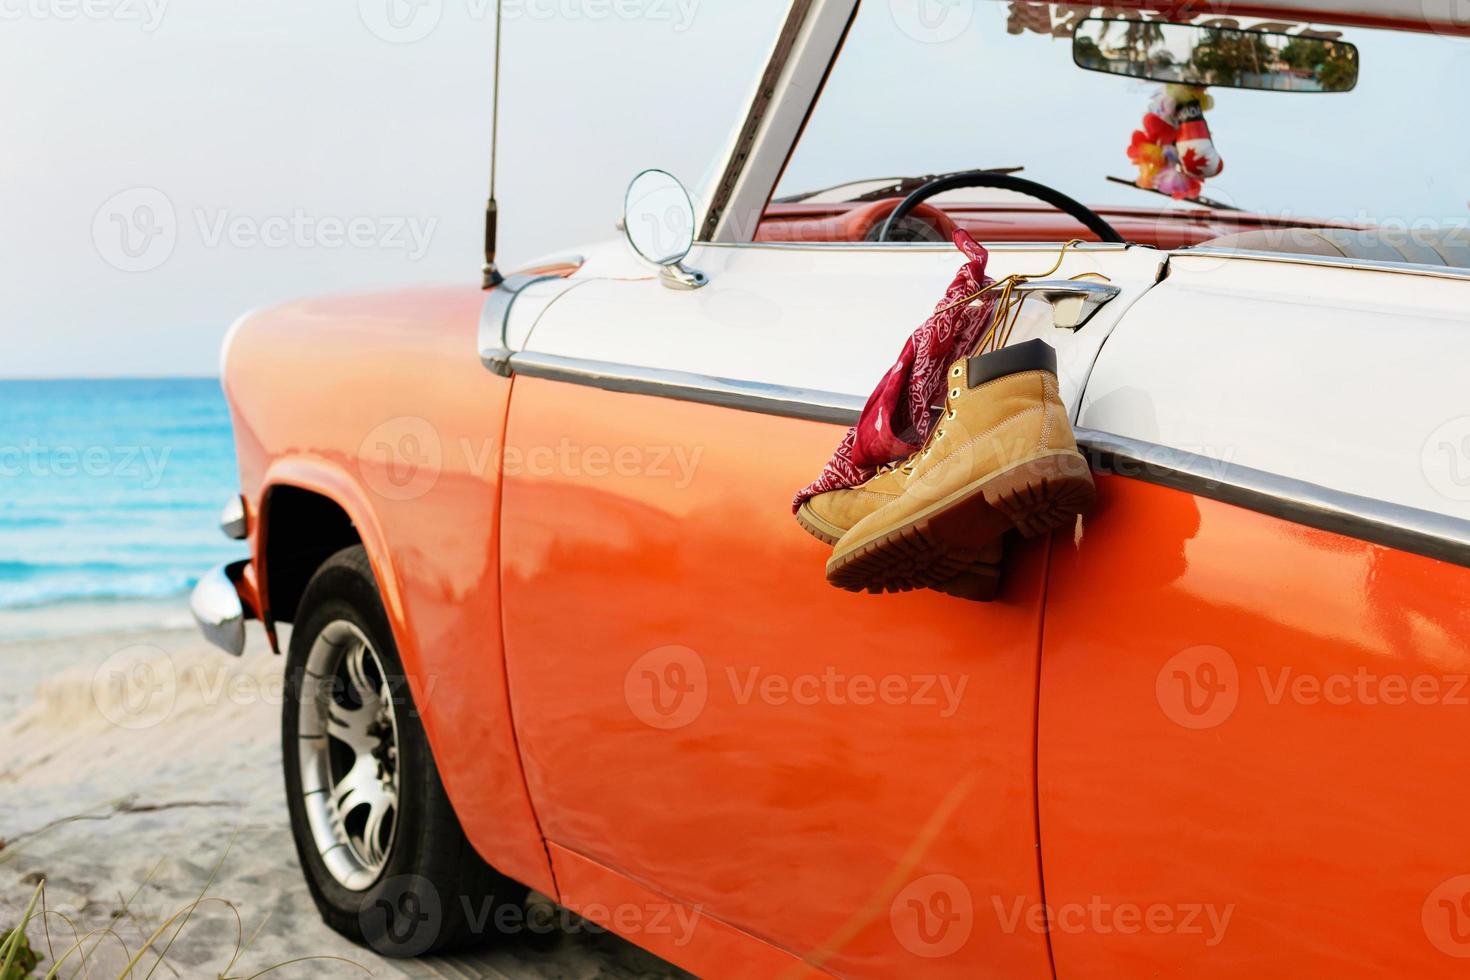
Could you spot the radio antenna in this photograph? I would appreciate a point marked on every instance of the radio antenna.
(491, 276)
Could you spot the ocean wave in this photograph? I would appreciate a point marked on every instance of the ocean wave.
(35, 595)
(26, 521)
(20, 571)
(143, 525)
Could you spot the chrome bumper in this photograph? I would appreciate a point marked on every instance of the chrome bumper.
(218, 609)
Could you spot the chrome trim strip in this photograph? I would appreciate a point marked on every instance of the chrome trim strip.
(216, 606)
(1395, 526)
(750, 396)
(495, 316)
(1325, 262)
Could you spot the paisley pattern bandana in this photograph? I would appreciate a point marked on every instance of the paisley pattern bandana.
(899, 414)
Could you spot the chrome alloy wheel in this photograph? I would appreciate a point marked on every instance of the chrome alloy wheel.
(349, 753)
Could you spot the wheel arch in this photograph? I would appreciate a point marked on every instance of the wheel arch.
(513, 842)
(309, 510)
(306, 528)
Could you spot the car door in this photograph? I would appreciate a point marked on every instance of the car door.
(848, 778)
(1254, 702)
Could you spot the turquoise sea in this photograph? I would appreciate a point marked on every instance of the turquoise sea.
(110, 491)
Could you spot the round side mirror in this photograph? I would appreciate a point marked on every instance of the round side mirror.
(658, 218)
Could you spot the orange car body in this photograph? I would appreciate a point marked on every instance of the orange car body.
(1217, 730)
(1059, 806)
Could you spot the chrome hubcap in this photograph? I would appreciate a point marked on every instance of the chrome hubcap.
(348, 745)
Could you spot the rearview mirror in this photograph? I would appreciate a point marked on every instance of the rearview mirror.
(1222, 57)
(658, 219)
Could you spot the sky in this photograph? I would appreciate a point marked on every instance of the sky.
(166, 165)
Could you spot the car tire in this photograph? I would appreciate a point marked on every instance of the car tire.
(384, 855)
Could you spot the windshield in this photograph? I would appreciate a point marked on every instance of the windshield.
(994, 85)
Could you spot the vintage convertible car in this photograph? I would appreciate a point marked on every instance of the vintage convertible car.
(551, 615)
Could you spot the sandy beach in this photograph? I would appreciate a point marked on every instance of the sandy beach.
(138, 764)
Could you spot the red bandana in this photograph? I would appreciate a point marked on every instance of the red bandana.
(896, 421)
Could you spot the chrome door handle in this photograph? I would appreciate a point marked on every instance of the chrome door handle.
(1073, 301)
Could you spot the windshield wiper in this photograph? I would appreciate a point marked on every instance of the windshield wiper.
(901, 186)
(1203, 201)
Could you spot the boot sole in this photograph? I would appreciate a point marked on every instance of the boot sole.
(979, 582)
(930, 548)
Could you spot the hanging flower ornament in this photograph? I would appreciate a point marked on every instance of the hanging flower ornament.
(1173, 151)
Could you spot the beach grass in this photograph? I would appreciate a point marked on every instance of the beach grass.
(19, 959)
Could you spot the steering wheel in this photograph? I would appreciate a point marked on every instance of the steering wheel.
(1009, 182)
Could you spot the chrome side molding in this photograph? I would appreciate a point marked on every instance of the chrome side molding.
(1396, 526)
(750, 396)
(1409, 529)
(216, 606)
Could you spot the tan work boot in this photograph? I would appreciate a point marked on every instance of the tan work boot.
(1002, 455)
(828, 516)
